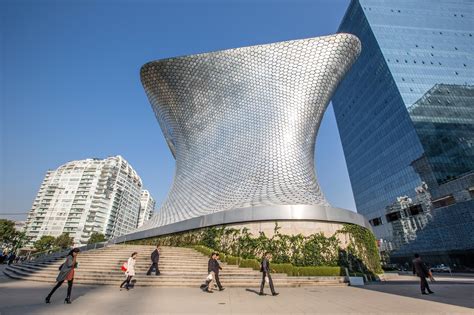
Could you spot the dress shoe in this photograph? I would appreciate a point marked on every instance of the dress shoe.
(275, 293)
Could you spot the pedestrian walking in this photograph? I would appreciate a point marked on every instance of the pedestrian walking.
(130, 272)
(66, 272)
(155, 259)
(420, 269)
(266, 276)
(209, 284)
(216, 267)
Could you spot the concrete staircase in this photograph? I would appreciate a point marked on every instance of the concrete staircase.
(180, 267)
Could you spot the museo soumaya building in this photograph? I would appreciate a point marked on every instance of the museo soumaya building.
(241, 125)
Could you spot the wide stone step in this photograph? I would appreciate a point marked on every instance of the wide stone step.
(149, 281)
(117, 266)
(51, 272)
(155, 279)
(144, 270)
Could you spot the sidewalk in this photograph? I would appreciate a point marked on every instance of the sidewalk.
(25, 297)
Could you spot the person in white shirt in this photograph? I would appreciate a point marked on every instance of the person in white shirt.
(130, 271)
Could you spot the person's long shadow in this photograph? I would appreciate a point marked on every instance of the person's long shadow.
(253, 291)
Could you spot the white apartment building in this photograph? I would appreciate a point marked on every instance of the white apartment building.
(147, 207)
(86, 196)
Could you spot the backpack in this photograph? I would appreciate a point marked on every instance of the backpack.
(124, 267)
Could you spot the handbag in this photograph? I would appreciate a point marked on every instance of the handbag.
(124, 267)
(267, 280)
(209, 277)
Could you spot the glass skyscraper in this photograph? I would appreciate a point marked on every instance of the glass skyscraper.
(405, 114)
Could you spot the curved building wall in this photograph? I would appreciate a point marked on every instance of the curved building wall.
(242, 123)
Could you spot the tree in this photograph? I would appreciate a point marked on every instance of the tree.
(9, 236)
(7, 232)
(64, 241)
(46, 242)
(96, 237)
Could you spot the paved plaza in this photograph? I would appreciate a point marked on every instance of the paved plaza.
(452, 296)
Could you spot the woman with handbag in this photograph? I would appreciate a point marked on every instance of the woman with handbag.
(66, 272)
(130, 271)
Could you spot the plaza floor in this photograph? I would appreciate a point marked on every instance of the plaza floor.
(452, 296)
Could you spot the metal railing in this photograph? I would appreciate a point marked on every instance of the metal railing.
(50, 255)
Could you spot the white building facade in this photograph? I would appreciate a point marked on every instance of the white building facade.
(147, 207)
(86, 196)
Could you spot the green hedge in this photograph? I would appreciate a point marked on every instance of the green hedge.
(231, 260)
(250, 263)
(289, 269)
(321, 271)
(283, 268)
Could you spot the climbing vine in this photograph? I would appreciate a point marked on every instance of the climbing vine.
(360, 255)
(362, 249)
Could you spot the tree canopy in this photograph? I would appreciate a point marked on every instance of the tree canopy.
(9, 237)
(64, 241)
(46, 242)
(96, 237)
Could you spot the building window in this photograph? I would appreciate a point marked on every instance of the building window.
(444, 201)
(376, 221)
(394, 216)
(415, 209)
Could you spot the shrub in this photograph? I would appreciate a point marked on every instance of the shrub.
(203, 250)
(231, 260)
(250, 263)
(283, 268)
(322, 271)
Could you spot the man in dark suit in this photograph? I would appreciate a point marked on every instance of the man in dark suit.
(216, 268)
(155, 259)
(420, 269)
(213, 266)
(265, 270)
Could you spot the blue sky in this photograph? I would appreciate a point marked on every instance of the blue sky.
(70, 86)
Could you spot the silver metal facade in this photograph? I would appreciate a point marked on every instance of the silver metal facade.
(242, 123)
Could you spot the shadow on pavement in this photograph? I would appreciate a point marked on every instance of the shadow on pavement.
(253, 291)
(446, 292)
(16, 301)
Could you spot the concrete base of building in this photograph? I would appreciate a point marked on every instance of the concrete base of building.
(293, 219)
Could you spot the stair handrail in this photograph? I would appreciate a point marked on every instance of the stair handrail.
(47, 256)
